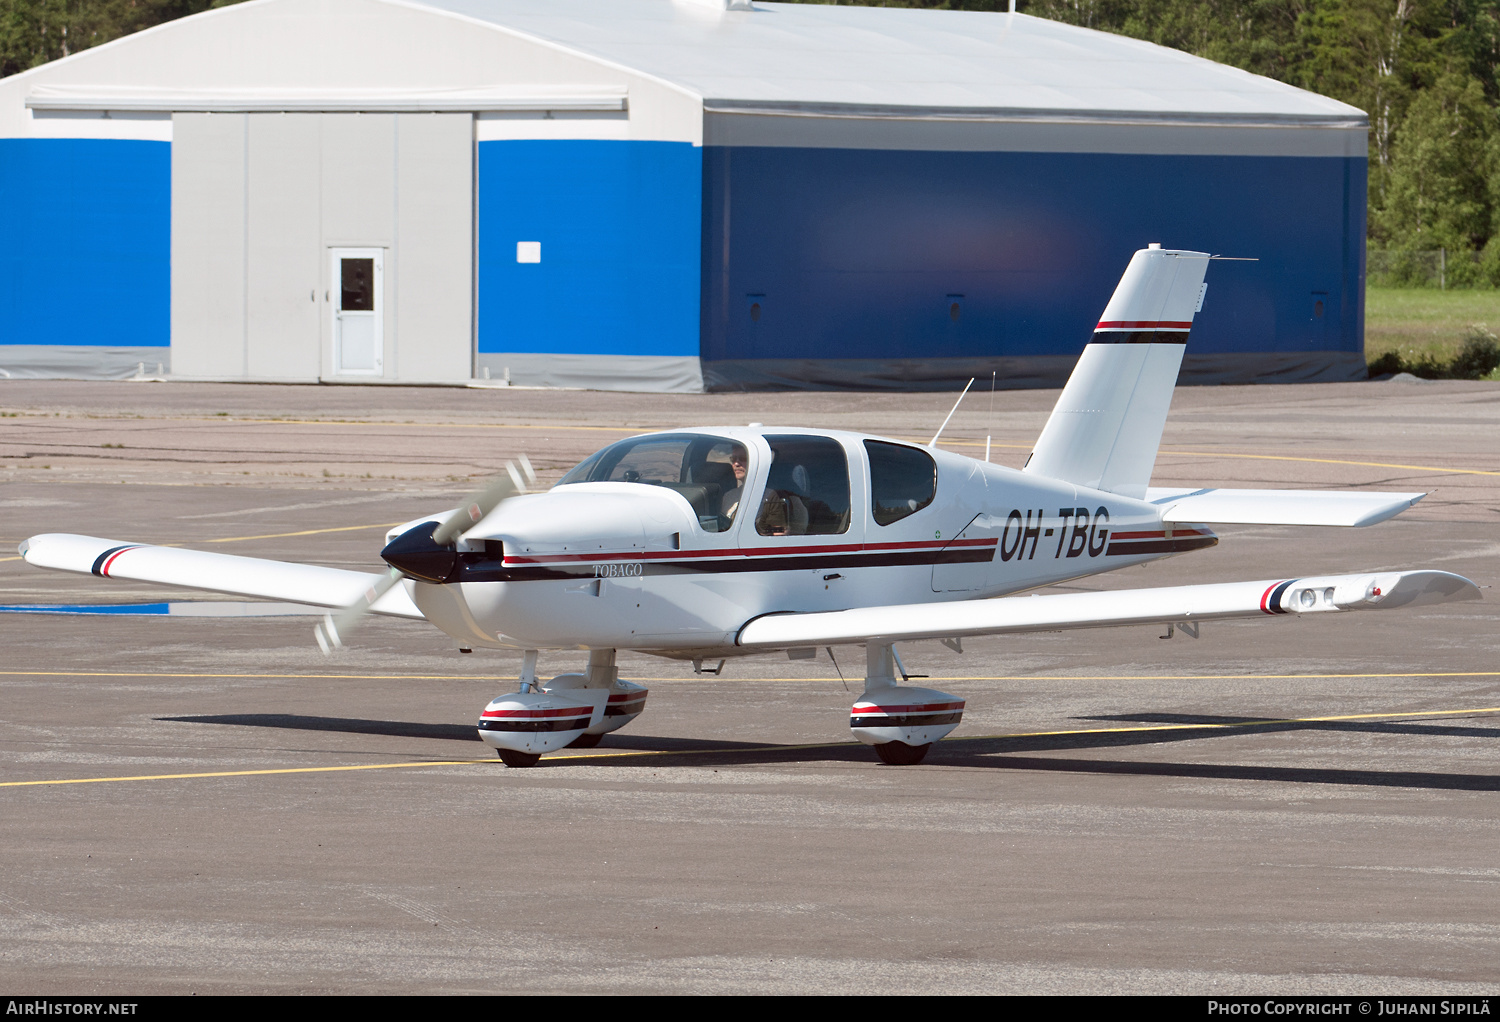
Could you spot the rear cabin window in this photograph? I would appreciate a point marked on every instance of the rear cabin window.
(807, 491)
(903, 480)
(706, 470)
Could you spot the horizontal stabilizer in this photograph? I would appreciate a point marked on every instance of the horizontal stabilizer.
(1279, 507)
(1327, 593)
(219, 573)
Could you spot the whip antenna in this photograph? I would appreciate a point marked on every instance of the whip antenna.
(991, 417)
(934, 440)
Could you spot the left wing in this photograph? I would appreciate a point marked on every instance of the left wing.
(1326, 593)
(219, 573)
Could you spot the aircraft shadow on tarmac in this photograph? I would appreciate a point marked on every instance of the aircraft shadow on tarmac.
(449, 732)
(1004, 753)
(345, 725)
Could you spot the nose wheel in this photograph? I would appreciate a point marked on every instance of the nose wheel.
(901, 754)
(512, 758)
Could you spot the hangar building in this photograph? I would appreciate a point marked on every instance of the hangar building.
(657, 195)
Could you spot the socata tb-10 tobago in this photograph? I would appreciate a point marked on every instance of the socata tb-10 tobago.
(721, 542)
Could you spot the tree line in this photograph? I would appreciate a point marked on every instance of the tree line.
(1425, 71)
(34, 32)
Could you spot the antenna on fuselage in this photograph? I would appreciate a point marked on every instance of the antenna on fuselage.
(934, 440)
(991, 417)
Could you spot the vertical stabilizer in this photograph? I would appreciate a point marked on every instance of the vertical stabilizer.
(1107, 425)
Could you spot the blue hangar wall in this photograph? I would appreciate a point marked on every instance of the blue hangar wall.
(841, 267)
(620, 229)
(85, 243)
(780, 267)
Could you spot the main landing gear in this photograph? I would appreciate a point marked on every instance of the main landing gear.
(570, 711)
(901, 721)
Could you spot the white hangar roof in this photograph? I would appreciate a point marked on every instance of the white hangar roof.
(702, 71)
(827, 56)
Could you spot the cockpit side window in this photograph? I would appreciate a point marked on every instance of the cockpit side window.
(708, 471)
(807, 490)
(903, 480)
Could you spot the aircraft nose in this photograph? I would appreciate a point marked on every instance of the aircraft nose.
(414, 553)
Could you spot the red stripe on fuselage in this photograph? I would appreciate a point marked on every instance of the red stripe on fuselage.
(787, 551)
(1143, 324)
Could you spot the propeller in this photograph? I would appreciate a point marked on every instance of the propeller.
(518, 475)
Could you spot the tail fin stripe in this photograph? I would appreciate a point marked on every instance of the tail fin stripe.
(1131, 324)
(1140, 337)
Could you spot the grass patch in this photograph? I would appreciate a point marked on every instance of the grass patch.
(1424, 326)
(1476, 356)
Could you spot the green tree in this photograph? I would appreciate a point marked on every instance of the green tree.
(1438, 186)
(34, 32)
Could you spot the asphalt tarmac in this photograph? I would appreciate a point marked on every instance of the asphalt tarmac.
(209, 805)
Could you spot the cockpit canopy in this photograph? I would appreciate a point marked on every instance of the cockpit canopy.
(806, 491)
(699, 466)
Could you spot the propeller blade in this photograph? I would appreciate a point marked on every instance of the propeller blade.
(518, 475)
(513, 480)
(331, 630)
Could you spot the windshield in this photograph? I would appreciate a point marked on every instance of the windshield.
(707, 470)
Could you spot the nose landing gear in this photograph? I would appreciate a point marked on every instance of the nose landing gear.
(572, 710)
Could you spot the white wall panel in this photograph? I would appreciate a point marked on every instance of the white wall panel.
(208, 245)
(434, 248)
(284, 268)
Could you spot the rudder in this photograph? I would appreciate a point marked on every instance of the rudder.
(1106, 427)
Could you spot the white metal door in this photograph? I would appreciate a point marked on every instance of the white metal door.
(358, 331)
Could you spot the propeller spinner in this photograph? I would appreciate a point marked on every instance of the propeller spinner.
(422, 551)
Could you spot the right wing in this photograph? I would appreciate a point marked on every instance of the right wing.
(219, 573)
(1279, 507)
(900, 623)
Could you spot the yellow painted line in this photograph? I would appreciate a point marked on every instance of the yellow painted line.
(1204, 677)
(426, 425)
(1265, 457)
(249, 773)
(304, 532)
(741, 751)
(935, 678)
(1270, 722)
(943, 443)
(309, 677)
(1334, 461)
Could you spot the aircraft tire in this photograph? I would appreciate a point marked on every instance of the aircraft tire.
(512, 758)
(585, 741)
(901, 754)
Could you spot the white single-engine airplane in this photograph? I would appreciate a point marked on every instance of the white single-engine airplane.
(722, 542)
